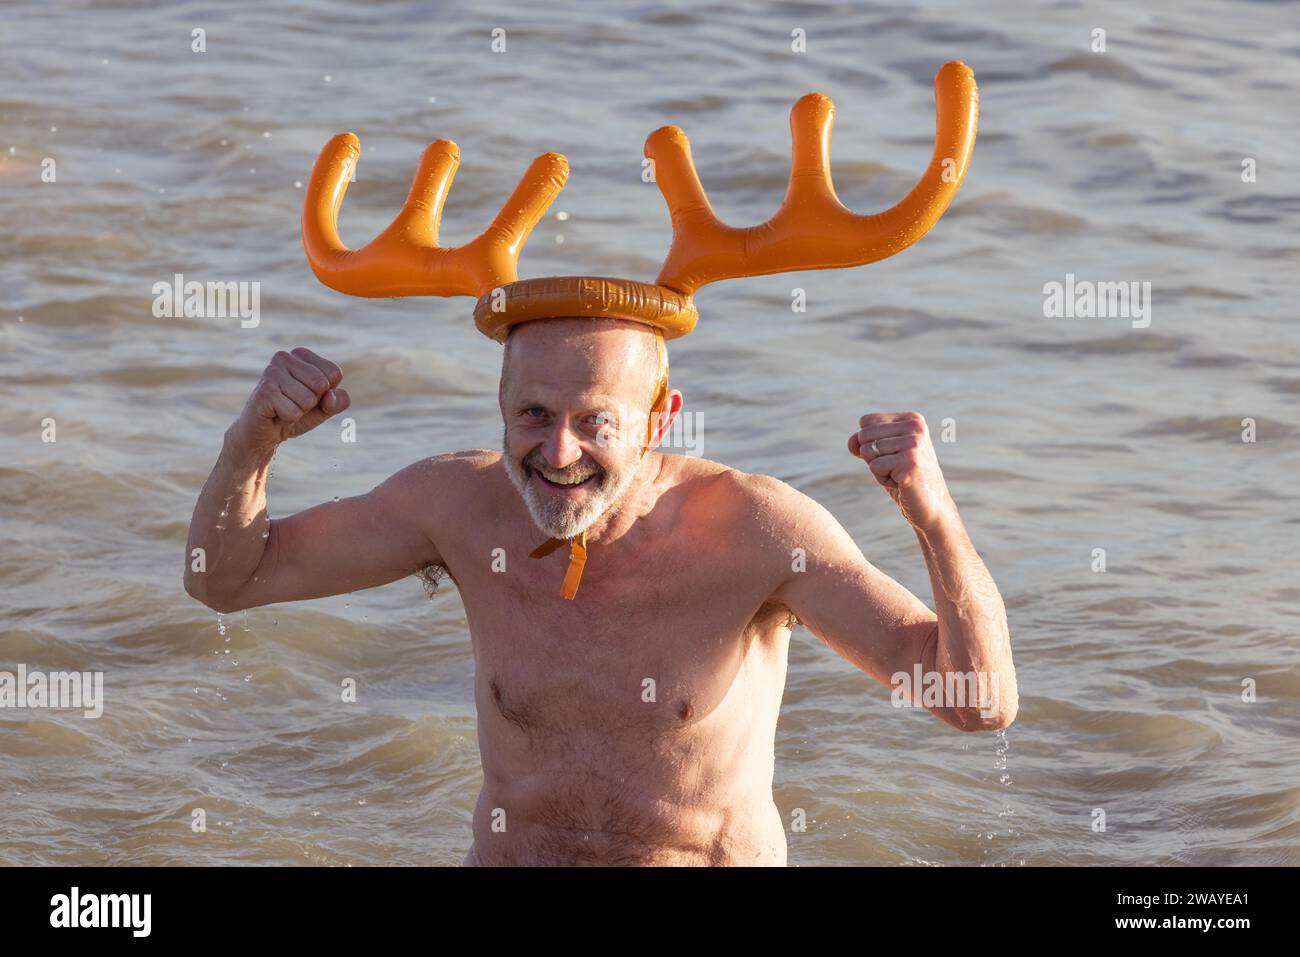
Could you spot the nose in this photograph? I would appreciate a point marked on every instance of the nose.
(562, 448)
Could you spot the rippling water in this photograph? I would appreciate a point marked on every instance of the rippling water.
(1071, 434)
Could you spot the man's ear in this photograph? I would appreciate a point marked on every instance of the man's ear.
(670, 409)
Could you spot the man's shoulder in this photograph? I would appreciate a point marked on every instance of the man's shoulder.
(739, 483)
(466, 462)
(452, 465)
(441, 480)
(754, 495)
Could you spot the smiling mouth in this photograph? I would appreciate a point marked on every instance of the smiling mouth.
(565, 488)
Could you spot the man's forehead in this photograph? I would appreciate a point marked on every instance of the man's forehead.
(556, 390)
(591, 341)
(607, 368)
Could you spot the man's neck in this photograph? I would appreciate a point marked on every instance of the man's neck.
(640, 498)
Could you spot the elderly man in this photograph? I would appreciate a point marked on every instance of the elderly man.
(629, 717)
(635, 725)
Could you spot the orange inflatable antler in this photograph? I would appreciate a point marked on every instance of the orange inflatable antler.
(405, 259)
(812, 229)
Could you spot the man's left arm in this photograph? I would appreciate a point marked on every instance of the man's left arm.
(962, 650)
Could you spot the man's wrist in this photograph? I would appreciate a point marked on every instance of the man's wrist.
(241, 458)
(944, 523)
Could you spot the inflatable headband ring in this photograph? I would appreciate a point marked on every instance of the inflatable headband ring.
(811, 230)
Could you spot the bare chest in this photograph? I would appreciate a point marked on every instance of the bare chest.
(648, 649)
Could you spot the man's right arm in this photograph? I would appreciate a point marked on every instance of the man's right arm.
(248, 559)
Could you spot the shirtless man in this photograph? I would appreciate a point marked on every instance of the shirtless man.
(634, 724)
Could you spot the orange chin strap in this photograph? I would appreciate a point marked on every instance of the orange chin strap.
(577, 559)
(578, 544)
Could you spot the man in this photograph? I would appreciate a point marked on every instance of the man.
(635, 724)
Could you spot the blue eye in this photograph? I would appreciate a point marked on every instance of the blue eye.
(534, 408)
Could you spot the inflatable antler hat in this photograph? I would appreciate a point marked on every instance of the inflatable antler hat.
(811, 230)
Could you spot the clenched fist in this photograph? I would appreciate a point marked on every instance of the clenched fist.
(904, 462)
(297, 392)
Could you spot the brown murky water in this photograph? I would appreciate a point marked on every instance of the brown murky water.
(1071, 434)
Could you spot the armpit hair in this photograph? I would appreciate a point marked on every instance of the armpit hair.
(431, 576)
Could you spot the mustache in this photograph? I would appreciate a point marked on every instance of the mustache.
(581, 467)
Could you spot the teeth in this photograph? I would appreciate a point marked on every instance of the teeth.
(565, 481)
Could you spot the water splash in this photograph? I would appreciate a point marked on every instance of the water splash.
(1000, 761)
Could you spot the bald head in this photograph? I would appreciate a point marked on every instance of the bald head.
(614, 350)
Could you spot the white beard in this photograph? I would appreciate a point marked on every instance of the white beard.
(562, 518)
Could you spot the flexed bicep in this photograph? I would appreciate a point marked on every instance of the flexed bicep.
(354, 543)
(857, 610)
